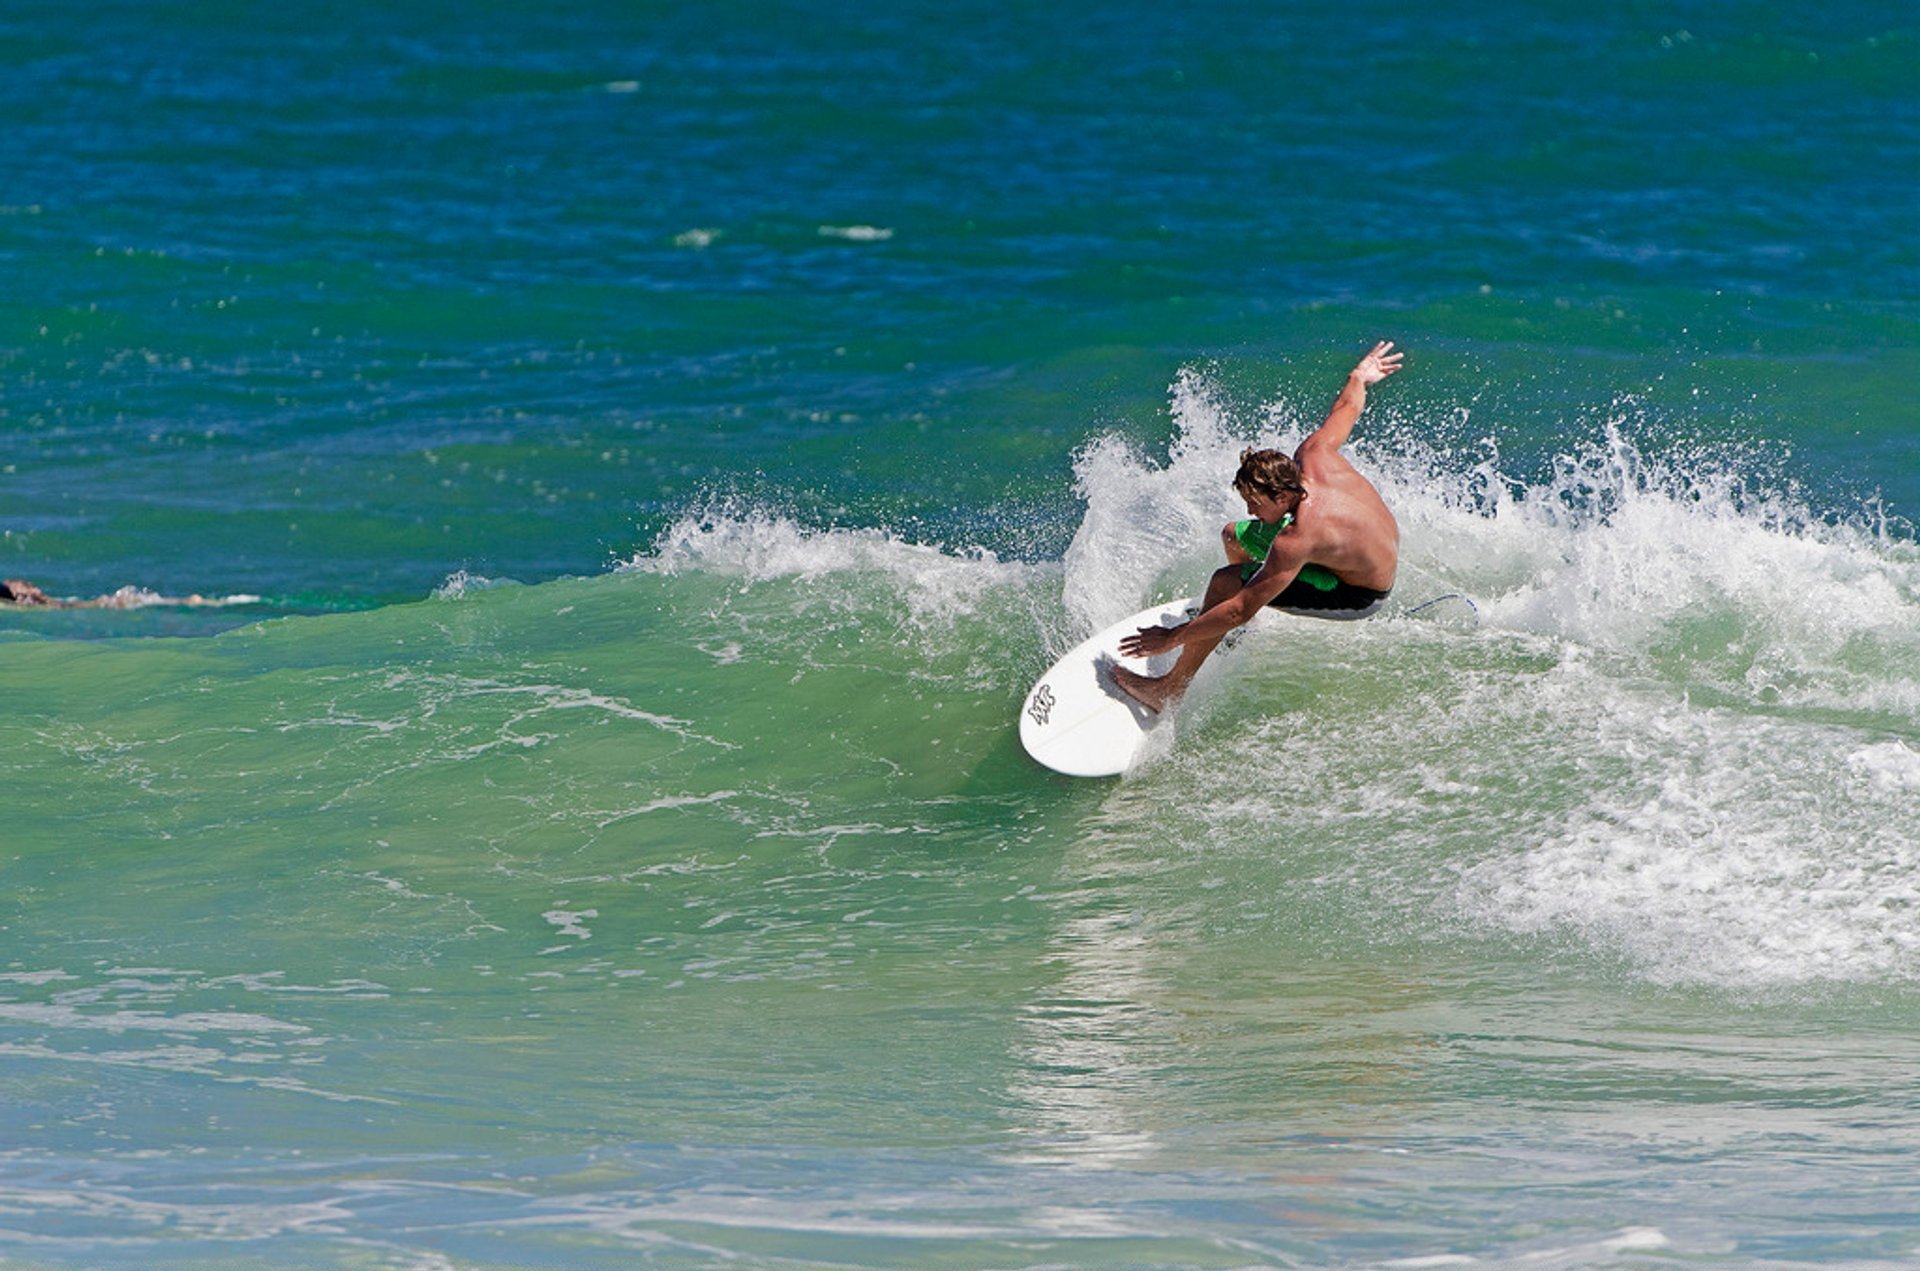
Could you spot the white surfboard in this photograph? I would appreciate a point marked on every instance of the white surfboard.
(1076, 720)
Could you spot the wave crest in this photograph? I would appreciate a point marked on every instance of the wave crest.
(757, 546)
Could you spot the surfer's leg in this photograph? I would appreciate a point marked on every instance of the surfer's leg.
(1156, 693)
(1226, 583)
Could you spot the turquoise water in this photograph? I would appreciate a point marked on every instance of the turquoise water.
(644, 455)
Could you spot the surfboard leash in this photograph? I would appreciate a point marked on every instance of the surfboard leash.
(1452, 595)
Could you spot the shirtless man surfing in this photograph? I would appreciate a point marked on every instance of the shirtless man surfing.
(1320, 542)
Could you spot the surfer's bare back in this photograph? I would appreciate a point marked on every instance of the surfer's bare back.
(1320, 541)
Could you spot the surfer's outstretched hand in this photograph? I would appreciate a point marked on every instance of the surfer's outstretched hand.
(1381, 362)
(1148, 641)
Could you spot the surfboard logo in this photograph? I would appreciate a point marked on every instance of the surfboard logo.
(1040, 705)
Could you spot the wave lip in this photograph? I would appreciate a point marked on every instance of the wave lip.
(758, 547)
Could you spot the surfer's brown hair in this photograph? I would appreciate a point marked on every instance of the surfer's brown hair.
(1269, 472)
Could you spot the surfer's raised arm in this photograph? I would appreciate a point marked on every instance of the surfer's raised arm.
(1379, 363)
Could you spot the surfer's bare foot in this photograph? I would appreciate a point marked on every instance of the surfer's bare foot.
(1153, 693)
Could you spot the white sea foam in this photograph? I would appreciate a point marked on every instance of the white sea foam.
(571, 922)
(1713, 847)
(132, 597)
(1146, 520)
(1889, 767)
(857, 233)
(666, 803)
(758, 547)
(1700, 562)
(461, 584)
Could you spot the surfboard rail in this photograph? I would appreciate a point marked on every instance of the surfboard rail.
(1075, 720)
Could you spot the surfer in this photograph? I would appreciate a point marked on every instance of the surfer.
(1319, 541)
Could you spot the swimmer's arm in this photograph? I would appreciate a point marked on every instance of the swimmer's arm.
(1379, 363)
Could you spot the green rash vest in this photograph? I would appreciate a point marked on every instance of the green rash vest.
(1257, 538)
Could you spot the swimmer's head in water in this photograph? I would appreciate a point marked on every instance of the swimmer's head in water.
(14, 591)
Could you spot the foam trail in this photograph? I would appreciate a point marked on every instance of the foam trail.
(1728, 850)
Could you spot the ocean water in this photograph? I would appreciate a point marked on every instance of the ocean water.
(639, 457)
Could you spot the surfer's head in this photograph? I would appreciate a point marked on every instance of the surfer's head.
(1270, 473)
